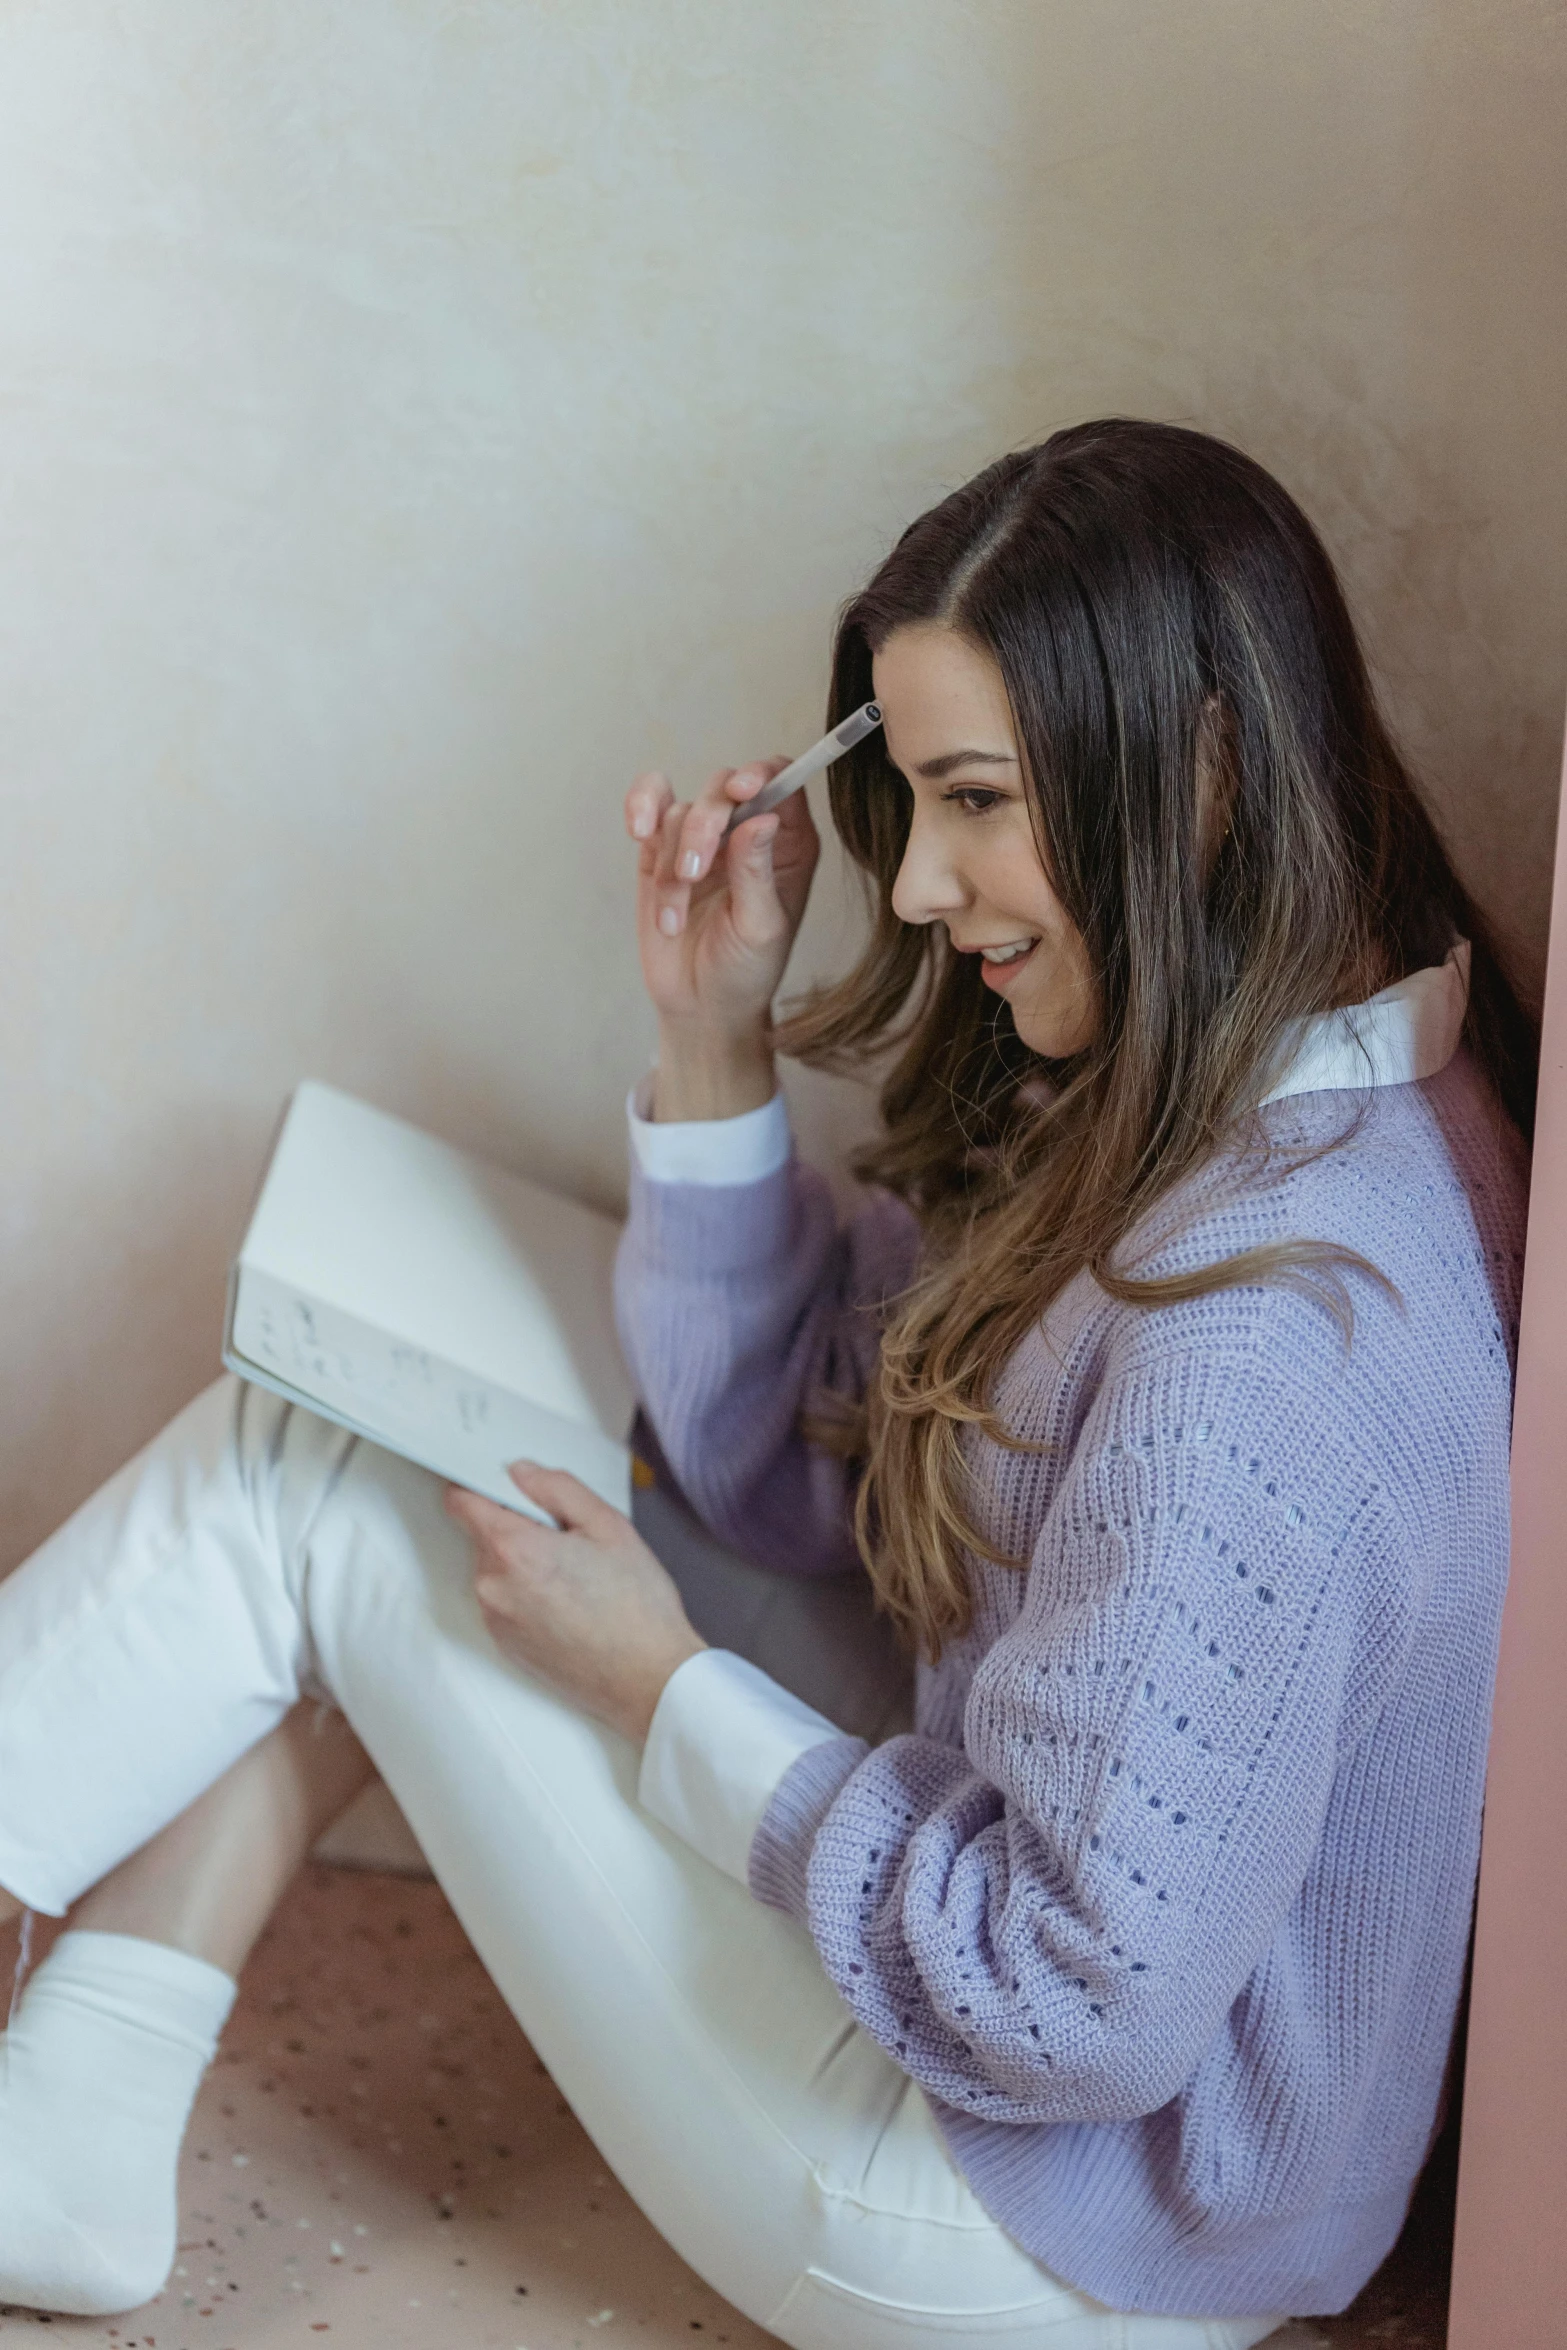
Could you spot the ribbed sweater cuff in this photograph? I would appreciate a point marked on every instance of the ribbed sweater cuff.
(710, 1231)
(781, 1847)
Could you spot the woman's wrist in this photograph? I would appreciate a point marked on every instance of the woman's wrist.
(702, 1076)
(637, 1702)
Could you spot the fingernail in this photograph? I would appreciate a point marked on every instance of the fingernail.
(669, 922)
(690, 865)
(642, 823)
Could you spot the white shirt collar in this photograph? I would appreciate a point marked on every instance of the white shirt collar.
(1407, 1032)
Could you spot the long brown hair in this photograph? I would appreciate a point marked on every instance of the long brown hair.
(1144, 590)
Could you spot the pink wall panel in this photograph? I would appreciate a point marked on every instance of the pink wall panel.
(1510, 2259)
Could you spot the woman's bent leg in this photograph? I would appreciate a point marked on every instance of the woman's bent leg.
(208, 1883)
(156, 1638)
(693, 2031)
(104, 2054)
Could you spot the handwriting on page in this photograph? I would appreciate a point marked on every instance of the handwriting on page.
(347, 1364)
(448, 1419)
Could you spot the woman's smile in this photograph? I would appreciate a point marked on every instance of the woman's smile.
(999, 965)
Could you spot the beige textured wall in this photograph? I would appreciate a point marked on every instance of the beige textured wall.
(414, 418)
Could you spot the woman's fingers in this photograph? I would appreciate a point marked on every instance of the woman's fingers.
(510, 1552)
(753, 892)
(487, 1521)
(795, 852)
(705, 823)
(707, 819)
(646, 801)
(671, 895)
(686, 848)
(468, 1508)
(576, 1506)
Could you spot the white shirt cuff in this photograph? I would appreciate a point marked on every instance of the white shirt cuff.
(708, 1150)
(721, 1739)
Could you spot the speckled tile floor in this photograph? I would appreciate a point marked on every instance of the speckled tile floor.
(379, 2160)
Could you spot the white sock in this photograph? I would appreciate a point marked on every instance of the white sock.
(97, 2076)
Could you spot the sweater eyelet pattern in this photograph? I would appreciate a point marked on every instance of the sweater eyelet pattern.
(1165, 1902)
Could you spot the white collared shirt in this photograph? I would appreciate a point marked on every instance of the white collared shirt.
(1408, 1032)
(724, 1735)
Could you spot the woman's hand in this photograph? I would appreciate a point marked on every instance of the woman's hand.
(585, 1605)
(716, 919)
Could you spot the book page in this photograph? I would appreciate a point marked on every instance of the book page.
(456, 1259)
(412, 1401)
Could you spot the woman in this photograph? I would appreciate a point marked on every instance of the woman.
(1163, 1388)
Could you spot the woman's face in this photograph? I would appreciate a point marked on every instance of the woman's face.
(971, 860)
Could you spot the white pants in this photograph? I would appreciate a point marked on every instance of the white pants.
(254, 1554)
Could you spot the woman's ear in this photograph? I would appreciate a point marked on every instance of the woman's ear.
(1217, 780)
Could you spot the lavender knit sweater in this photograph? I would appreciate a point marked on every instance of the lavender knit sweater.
(1165, 1902)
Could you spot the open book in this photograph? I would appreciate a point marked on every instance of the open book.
(452, 1312)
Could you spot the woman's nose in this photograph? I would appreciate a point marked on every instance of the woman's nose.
(928, 886)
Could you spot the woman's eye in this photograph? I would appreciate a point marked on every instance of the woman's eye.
(975, 800)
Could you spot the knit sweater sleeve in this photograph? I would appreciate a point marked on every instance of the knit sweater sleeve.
(740, 1306)
(1052, 1920)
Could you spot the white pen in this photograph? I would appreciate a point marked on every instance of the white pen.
(832, 746)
